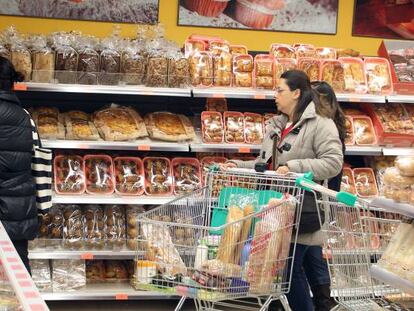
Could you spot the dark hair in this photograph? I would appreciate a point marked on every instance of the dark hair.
(298, 80)
(8, 75)
(329, 107)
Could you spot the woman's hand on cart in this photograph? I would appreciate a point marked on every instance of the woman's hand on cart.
(282, 170)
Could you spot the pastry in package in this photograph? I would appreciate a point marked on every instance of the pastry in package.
(99, 174)
(129, 175)
(69, 177)
(169, 126)
(79, 126)
(157, 176)
(253, 128)
(49, 122)
(234, 127)
(187, 175)
(212, 127)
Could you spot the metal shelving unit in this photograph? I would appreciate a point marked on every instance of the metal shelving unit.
(138, 145)
(244, 93)
(395, 151)
(361, 98)
(405, 99)
(363, 151)
(105, 89)
(107, 291)
(111, 199)
(41, 253)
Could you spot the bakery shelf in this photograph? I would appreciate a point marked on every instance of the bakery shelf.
(107, 291)
(363, 98)
(233, 93)
(41, 253)
(397, 151)
(105, 89)
(138, 145)
(363, 150)
(110, 199)
(392, 279)
(392, 206)
(405, 99)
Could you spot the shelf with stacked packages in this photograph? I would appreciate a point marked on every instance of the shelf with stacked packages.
(17, 289)
(177, 113)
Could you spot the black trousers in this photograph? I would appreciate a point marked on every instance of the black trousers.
(21, 247)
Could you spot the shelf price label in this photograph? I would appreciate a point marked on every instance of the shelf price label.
(144, 147)
(121, 296)
(87, 256)
(219, 95)
(20, 87)
(259, 96)
(244, 150)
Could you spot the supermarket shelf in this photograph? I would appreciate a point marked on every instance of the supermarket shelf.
(108, 291)
(106, 89)
(246, 93)
(138, 145)
(405, 99)
(67, 254)
(198, 146)
(392, 206)
(392, 279)
(362, 150)
(363, 98)
(110, 199)
(397, 151)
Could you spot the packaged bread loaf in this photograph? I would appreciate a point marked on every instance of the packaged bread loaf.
(178, 71)
(21, 60)
(133, 64)
(311, 66)
(157, 71)
(95, 226)
(129, 175)
(79, 126)
(88, 61)
(169, 127)
(192, 46)
(49, 122)
(305, 51)
(282, 51)
(119, 123)
(354, 75)
(99, 174)
(66, 64)
(218, 46)
(161, 250)
(73, 227)
(115, 227)
(43, 61)
(332, 72)
(222, 69)
(243, 63)
(134, 240)
(110, 62)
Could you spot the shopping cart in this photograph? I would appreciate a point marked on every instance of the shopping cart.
(226, 245)
(356, 236)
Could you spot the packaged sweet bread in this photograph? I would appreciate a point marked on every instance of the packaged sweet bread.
(68, 274)
(187, 175)
(129, 175)
(311, 66)
(95, 271)
(66, 57)
(178, 71)
(95, 223)
(222, 69)
(217, 46)
(69, 177)
(192, 46)
(88, 62)
(243, 79)
(169, 126)
(207, 162)
(115, 271)
(325, 53)
(110, 62)
(115, 227)
(364, 131)
(158, 180)
(201, 69)
(79, 126)
(378, 75)
(354, 75)
(134, 240)
(264, 82)
(348, 182)
(305, 51)
(21, 59)
(43, 61)
(99, 174)
(365, 182)
(243, 63)
(49, 122)
(133, 64)
(234, 127)
(119, 124)
(238, 49)
(161, 250)
(157, 71)
(212, 127)
(73, 227)
(282, 51)
(396, 186)
(253, 128)
(394, 118)
(216, 104)
(264, 65)
(332, 72)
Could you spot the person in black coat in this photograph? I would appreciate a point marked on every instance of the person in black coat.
(18, 211)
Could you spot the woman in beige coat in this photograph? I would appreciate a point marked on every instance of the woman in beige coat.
(299, 140)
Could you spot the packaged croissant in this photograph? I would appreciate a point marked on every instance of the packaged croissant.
(79, 126)
(66, 63)
(43, 61)
(133, 64)
(110, 62)
(88, 63)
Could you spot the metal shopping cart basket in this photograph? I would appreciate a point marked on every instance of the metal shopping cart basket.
(226, 245)
(356, 236)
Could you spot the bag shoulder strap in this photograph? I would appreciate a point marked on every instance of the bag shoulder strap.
(36, 139)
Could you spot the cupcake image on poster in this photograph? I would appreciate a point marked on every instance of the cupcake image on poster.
(313, 16)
